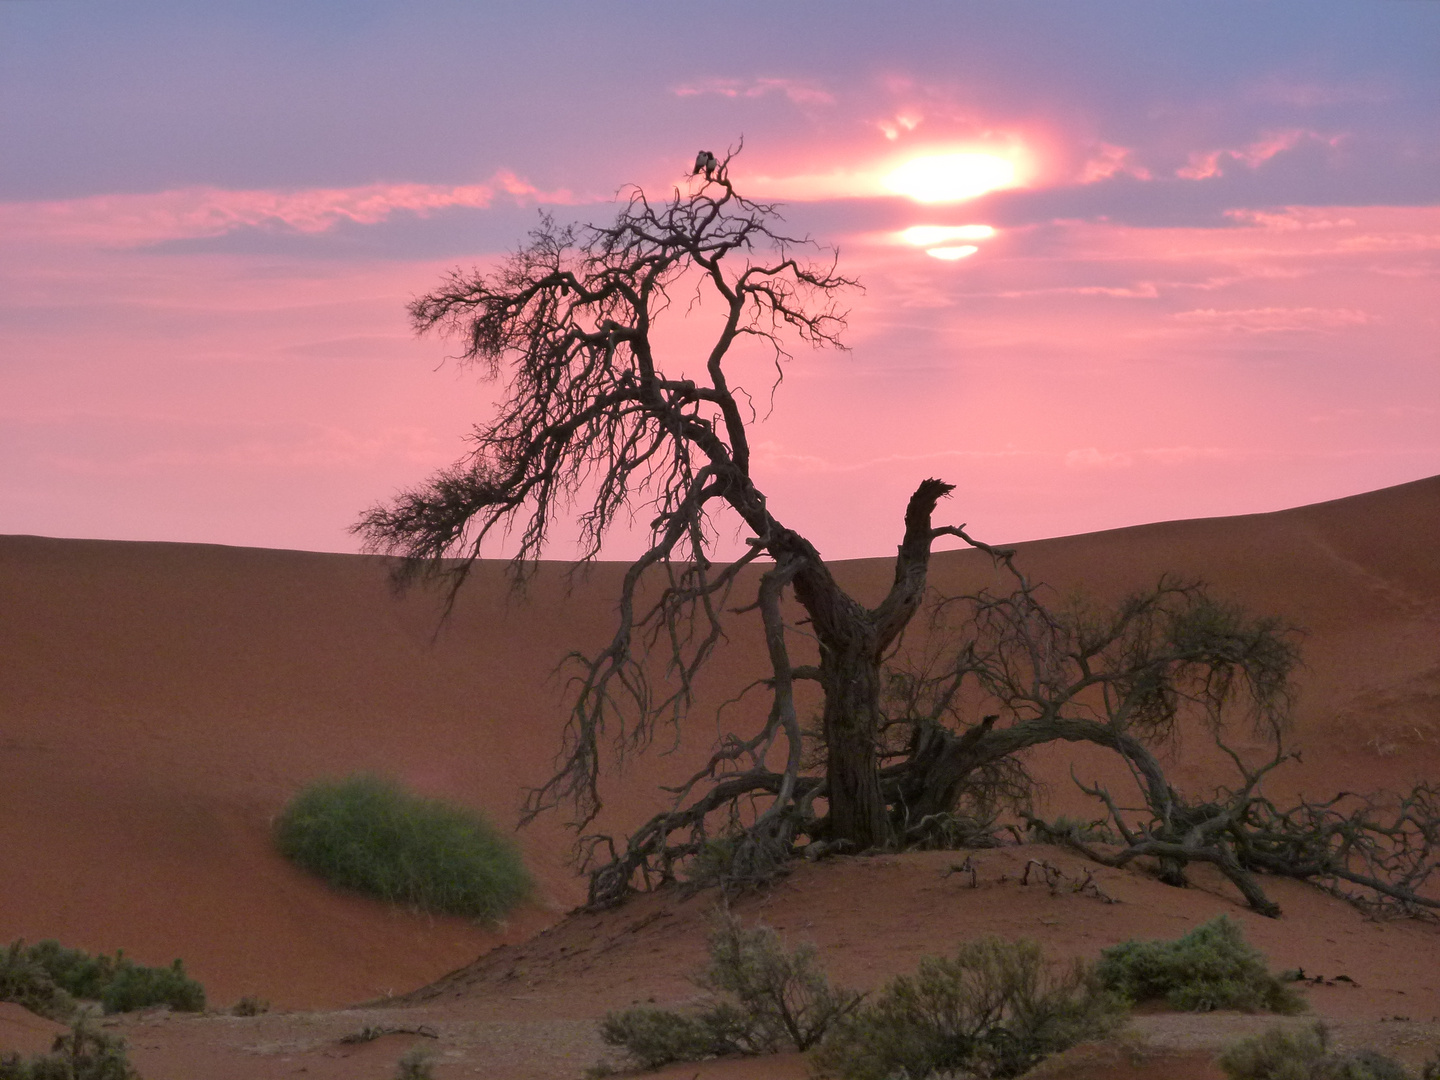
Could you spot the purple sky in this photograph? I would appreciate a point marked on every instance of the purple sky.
(1208, 285)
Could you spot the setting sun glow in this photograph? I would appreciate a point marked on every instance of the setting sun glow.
(930, 235)
(939, 241)
(951, 254)
(940, 178)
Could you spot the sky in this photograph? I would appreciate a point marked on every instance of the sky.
(1121, 261)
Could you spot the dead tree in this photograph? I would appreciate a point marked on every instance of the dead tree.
(593, 413)
(1006, 672)
(1124, 678)
(593, 410)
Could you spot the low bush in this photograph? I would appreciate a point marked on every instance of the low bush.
(367, 835)
(1303, 1054)
(1211, 967)
(46, 978)
(415, 1065)
(763, 998)
(135, 987)
(25, 981)
(993, 1010)
(82, 1053)
(653, 1037)
(77, 972)
(782, 997)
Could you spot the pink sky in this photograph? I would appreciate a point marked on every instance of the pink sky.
(1226, 308)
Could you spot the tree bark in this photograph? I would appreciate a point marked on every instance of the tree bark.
(853, 640)
(850, 675)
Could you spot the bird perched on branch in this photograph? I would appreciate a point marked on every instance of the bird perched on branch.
(705, 162)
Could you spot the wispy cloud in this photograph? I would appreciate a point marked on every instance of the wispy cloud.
(1273, 320)
(1108, 160)
(798, 91)
(1209, 163)
(1092, 458)
(1308, 94)
(191, 213)
(158, 443)
(892, 127)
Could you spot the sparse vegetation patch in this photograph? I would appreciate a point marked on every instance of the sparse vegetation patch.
(415, 1065)
(250, 1005)
(1280, 1053)
(995, 1009)
(368, 835)
(764, 998)
(47, 978)
(1211, 967)
(82, 1053)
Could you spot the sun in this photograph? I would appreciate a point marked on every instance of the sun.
(943, 241)
(952, 254)
(932, 235)
(941, 178)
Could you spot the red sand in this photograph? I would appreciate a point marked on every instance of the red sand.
(160, 702)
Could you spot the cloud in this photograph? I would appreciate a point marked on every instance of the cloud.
(1211, 163)
(100, 444)
(131, 220)
(1309, 95)
(901, 123)
(1109, 160)
(1272, 320)
(1143, 290)
(798, 91)
(1091, 458)
(1287, 220)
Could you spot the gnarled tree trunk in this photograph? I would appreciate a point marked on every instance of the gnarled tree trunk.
(853, 640)
(850, 675)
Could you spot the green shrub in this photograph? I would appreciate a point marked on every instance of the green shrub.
(25, 981)
(783, 996)
(763, 998)
(80, 1054)
(75, 971)
(47, 977)
(654, 1037)
(1211, 967)
(367, 835)
(994, 1010)
(135, 987)
(1302, 1054)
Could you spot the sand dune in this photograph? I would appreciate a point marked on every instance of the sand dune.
(160, 702)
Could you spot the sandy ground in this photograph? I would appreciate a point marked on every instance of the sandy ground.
(160, 702)
(528, 1011)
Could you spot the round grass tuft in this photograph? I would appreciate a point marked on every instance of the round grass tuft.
(368, 835)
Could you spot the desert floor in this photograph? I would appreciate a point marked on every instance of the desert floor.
(159, 703)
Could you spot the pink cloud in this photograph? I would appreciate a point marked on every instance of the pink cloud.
(190, 213)
(1092, 458)
(1109, 160)
(1273, 320)
(1068, 377)
(1204, 165)
(1288, 219)
(901, 123)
